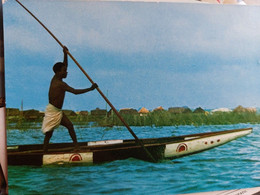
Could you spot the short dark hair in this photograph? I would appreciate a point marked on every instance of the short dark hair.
(57, 67)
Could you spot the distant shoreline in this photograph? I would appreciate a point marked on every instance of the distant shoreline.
(174, 116)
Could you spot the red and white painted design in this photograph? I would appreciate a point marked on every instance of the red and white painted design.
(182, 147)
(84, 157)
(75, 158)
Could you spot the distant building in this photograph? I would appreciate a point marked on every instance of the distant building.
(32, 114)
(12, 112)
(243, 109)
(179, 110)
(98, 112)
(199, 110)
(128, 111)
(221, 110)
(143, 111)
(69, 113)
(83, 113)
(160, 108)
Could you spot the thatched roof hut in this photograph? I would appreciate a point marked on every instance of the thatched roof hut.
(128, 111)
(160, 108)
(243, 109)
(179, 110)
(199, 110)
(83, 113)
(98, 112)
(32, 114)
(69, 113)
(12, 111)
(143, 110)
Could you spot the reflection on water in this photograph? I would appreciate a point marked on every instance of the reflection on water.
(233, 165)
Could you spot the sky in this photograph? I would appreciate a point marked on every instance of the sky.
(141, 54)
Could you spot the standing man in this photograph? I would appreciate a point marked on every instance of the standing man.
(53, 113)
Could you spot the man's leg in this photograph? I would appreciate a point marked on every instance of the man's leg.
(68, 124)
(46, 140)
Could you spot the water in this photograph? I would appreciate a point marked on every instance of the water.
(231, 166)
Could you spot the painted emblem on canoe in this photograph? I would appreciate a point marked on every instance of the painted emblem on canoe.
(75, 158)
(182, 147)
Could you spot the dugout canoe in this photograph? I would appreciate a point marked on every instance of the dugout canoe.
(109, 150)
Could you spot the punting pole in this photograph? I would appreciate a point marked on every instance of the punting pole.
(89, 78)
(3, 141)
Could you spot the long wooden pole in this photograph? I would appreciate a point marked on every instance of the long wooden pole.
(3, 137)
(89, 78)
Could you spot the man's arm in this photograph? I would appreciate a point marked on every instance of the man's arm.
(78, 91)
(65, 60)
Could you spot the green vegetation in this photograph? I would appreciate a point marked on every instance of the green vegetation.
(155, 118)
(164, 118)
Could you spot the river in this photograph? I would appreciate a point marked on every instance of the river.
(230, 166)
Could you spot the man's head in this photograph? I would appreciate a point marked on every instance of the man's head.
(57, 67)
(60, 68)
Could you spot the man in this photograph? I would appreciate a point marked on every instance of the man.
(53, 113)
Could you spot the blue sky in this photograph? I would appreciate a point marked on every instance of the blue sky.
(140, 54)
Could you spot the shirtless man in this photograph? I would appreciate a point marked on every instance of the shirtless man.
(53, 113)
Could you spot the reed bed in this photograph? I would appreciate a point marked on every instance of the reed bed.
(161, 118)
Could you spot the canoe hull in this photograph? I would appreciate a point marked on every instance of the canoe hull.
(200, 144)
(110, 150)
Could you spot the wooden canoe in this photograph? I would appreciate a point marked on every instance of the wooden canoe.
(110, 150)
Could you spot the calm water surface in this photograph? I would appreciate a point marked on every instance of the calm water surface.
(230, 166)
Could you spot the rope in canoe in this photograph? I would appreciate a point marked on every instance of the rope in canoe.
(89, 78)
